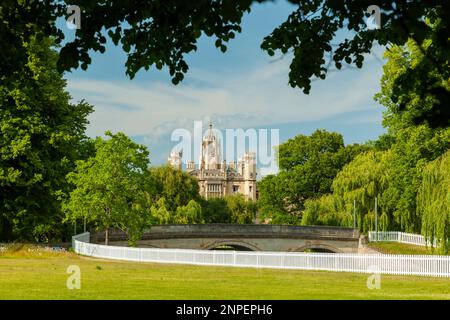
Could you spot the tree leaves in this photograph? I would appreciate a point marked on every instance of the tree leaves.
(360, 182)
(163, 32)
(434, 202)
(41, 136)
(308, 165)
(109, 188)
(175, 186)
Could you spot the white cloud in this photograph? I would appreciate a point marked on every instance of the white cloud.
(237, 98)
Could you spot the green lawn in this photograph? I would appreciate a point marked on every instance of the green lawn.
(42, 275)
(400, 248)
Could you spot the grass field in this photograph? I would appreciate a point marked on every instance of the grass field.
(400, 248)
(39, 274)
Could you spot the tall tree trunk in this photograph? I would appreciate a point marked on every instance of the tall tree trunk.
(6, 230)
(106, 236)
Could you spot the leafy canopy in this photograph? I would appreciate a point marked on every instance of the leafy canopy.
(434, 202)
(161, 33)
(175, 186)
(308, 165)
(110, 187)
(41, 136)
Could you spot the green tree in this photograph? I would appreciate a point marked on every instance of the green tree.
(242, 211)
(410, 101)
(302, 149)
(159, 212)
(434, 202)
(393, 176)
(175, 186)
(412, 145)
(190, 213)
(162, 33)
(109, 188)
(41, 135)
(312, 163)
(215, 210)
(272, 199)
(413, 149)
(327, 210)
(360, 181)
(230, 209)
(308, 165)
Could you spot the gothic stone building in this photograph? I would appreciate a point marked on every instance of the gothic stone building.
(215, 177)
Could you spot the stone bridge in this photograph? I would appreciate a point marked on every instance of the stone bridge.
(255, 237)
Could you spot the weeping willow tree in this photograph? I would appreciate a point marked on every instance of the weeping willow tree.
(326, 210)
(434, 202)
(359, 182)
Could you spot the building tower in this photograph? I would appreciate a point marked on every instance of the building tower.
(175, 159)
(210, 154)
(248, 165)
(216, 178)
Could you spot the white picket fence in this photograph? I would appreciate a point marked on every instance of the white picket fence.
(395, 236)
(83, 237)
(422, 265)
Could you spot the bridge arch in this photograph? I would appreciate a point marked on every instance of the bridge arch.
(243, 237)
(237, 244)
(319, 247)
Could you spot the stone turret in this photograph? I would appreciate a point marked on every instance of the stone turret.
(210, 154)
(249, 165)
(175, 159)
(190, 166)
(248, 171)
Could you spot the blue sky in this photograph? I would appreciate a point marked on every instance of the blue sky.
(243, 88)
